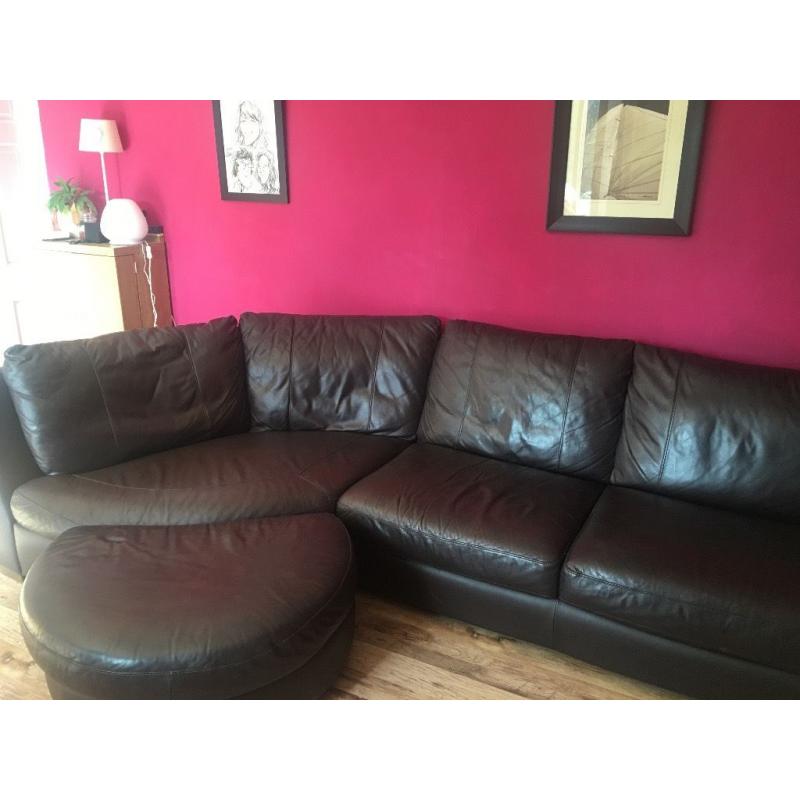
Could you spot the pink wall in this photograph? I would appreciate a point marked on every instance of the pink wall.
(439, 207)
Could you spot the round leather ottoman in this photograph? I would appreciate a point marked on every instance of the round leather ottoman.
(254, 609)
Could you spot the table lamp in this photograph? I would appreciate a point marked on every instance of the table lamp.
(122, 221)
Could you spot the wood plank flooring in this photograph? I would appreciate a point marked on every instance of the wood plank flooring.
(398, 653)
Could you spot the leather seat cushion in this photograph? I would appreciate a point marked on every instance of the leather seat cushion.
(710, 578)
(234, 477)
(502, 523)
(192, 611)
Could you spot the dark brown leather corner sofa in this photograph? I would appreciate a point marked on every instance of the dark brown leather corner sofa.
(633, 506)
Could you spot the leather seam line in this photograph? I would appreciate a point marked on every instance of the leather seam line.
(196, 378)
(566, 408)
(289, 382)
(469, 386)
(579, 574)
(45, 509)
(311, 482)
(671, 420)
(124, 488)
(577, 536)
(300, 474)
(425, 565)
(258, 483)
(102, 394)
(375, 374)
(460, 543)
(216, 667)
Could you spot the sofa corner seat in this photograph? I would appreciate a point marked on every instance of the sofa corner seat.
(213, 422)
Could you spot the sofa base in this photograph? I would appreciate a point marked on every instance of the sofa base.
(310, 682)
(504, 611)
(619, 648)
(678, 667)
(662, 662)
(30, 545)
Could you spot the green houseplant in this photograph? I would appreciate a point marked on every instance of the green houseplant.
(67, 203)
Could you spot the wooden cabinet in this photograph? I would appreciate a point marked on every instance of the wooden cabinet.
(74, 291)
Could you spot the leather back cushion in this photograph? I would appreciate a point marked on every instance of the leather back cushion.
(364, 374)
(92, 403)
(553, 402)
(712, 431)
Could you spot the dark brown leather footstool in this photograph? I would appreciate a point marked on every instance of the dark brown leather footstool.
(253, 609)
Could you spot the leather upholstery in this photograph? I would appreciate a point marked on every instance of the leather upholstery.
(553, 402)
(91, 403)
(16, 467)
(682, 668)
(311, 681)
(30, 545)
(365, 374)
(706, 577)
(441, 591)
(713, 432)
(501, 523)
(493, 516)
(207, 611)
(234, 477)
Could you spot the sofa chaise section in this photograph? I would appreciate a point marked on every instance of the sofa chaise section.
(245, 476)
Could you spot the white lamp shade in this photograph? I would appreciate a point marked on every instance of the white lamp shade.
(122, 222)
(99, 136)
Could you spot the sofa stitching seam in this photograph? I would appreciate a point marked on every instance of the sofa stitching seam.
(196, 378)
(469, 386)
(375, 374)
(460, 542)
(43, 508)
(485, 581)
(566, 408)
(580, 574)
(121, 487)
(671, 421)
(102, 394)
(289, 382)
(124, 488)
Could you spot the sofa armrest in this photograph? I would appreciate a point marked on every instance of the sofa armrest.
(16, 467)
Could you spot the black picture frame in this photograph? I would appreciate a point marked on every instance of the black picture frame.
(681, 222)
(280, 197)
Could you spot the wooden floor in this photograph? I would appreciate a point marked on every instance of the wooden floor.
(398, 653)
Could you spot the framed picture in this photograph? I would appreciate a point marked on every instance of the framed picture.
(625, 166)
(251, 153)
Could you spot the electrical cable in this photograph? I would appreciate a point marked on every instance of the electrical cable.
(148, 274)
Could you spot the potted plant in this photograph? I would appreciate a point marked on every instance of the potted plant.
(67, 204)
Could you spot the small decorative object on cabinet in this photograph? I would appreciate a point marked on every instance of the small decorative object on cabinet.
(625, 166)
(122, 221)
(69, 204)
(74, 291)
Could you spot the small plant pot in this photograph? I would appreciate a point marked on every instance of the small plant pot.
(68, 222)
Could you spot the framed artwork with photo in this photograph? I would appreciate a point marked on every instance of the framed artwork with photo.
(251, 152)
(625, 166)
